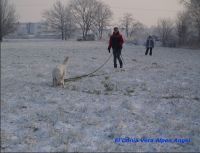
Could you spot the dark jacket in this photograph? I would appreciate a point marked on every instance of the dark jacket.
(116, 41)
(150, 43)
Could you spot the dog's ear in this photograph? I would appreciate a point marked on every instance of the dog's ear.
(66, 59)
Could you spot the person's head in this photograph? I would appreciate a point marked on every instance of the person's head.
(150, 37)
(116, 30)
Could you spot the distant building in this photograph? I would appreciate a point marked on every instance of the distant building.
(33, 30)
(41, 30)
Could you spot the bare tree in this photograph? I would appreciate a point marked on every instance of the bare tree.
(193, 7)
(182, 27)
(8, 18)
(70, 26)
(165, 29)
(127, 22)
(136, 27)
(136, 32)
(84, 12)
(59, 19)
(102, 18)
(55, 17)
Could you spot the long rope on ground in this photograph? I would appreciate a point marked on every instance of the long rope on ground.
(89, 74)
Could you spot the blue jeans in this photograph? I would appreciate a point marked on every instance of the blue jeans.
(150, 48)
(117, 56)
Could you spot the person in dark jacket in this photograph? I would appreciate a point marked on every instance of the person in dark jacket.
(149, 45)
(116, 43)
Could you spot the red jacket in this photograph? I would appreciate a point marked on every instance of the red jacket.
(116, 41)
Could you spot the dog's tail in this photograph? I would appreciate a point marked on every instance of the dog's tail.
(65, 61)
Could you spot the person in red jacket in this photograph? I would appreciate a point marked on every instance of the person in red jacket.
(116, 43)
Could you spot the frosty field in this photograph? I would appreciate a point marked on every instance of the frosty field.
(154, 97)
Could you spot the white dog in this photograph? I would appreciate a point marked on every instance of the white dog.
(58, 73)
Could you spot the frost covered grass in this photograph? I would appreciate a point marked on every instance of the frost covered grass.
(154, 97)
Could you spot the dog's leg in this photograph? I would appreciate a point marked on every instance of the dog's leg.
(63, 83)
(62, 80)
(53, 82)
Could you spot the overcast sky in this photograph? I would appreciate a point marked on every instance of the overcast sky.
(146, 11)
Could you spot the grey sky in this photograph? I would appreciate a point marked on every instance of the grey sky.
(146, 11)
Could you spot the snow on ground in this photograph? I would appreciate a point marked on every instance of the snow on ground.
(155, 97)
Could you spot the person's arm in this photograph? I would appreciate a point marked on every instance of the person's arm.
(110, 43)
(153, 43)
(146, 44)
(121, 41)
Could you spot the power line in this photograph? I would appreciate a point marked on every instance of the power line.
(144, 9)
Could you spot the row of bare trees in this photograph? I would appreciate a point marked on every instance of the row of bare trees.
(84, 14)
(87, 15)
(94, 15)
(185, 31)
